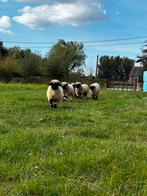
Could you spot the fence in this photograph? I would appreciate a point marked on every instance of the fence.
(125, 85)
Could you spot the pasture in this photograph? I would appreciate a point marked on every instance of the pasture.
(85, 147)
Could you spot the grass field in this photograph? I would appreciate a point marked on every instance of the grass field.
(83, 148)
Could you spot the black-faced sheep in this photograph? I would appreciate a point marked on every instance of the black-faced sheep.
(54, 93)
(68, 90)
(74, 85)
(81, 90)
(95, 90)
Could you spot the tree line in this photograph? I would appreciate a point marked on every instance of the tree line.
(65, 59)
(115, 68)
(143, 57)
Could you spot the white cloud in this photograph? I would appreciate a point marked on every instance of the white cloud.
(77, 13)
(5, 24)
(6, 31)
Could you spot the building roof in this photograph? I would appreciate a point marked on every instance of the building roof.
(136, 71)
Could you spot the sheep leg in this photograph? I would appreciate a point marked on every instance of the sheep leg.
(94, 97)
(79, 96)
(65, 98)
(52, 103)
(55, 105)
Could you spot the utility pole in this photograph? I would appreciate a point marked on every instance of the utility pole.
(97, 67)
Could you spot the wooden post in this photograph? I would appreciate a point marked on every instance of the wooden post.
(97, 67)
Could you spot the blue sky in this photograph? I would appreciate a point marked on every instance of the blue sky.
(79, 20)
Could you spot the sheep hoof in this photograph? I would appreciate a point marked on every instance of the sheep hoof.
(95, 97)
(55, 106)
(52, 106)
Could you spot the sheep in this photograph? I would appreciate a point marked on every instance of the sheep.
(81, 90)
(95, 90)
(54, 93)
(73, 85)
(68, 90)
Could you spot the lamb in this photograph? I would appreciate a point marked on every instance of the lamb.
(81, 90)
(68, 90)
(95, 89)
(54, 93)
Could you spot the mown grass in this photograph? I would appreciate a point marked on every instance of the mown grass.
(83, 148)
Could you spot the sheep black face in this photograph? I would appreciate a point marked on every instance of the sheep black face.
(55, 85)
(64, 86)
(92, 87)
(78, 85)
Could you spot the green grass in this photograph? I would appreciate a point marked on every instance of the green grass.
(84, 147)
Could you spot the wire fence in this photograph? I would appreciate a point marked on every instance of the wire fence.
(125, 85)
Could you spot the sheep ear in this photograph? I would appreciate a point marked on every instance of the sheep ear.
(60, 84)
(50, 83)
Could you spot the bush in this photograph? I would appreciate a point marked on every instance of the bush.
(8, 66)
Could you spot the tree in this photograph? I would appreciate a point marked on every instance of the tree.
(7, 66)
(3, 50)
(115, 68)
(143, 57)
(28, 63)
(64, 58)
(105, 68)
(125, 67)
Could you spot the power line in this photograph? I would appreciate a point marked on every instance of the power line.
(27, 42)
(92, 46)
(117, 44)
(120, 39)
(89, 41)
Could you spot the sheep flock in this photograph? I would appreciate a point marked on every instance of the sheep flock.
(61, 91)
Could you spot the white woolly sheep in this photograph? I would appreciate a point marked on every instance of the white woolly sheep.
(81, 90)
(95, 89)
(54, 93)
(68, 90)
